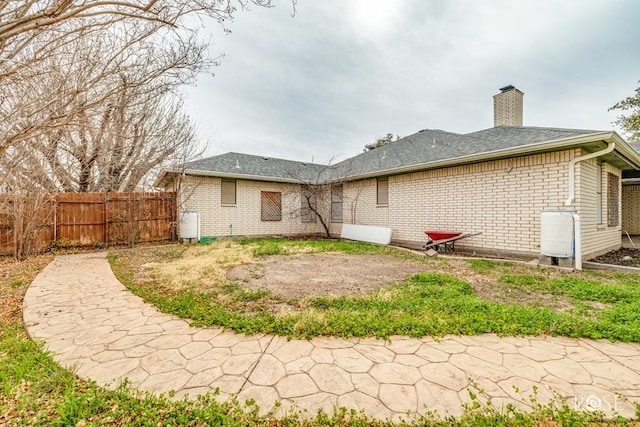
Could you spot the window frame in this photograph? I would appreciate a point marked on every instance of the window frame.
(382, 191)
(337, 199)
(228, 181)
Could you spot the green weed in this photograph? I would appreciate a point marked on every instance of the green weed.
(428, 303)
(482, 265)
(34, 390)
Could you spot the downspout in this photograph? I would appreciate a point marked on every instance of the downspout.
(572, 169)
(577, 241)
(572, 191)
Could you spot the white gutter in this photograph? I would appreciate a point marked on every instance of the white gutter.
(565, 143)
(572, 169)
(577, 232)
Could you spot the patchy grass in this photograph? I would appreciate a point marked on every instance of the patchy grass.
(34, 390)
(15, 277)
(450, 296)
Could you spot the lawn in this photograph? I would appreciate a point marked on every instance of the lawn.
(302, 289)
(34, 390)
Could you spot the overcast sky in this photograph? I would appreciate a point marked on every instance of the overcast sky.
(342, 73)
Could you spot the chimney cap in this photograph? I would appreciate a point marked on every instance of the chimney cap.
(507, 88)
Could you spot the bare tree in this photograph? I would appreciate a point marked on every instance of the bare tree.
(23, 21)
(90, 95)
(33, 32)
(320, 197)
(111, 116)
(24, 206)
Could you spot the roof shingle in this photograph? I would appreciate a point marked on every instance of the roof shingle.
(419, 149)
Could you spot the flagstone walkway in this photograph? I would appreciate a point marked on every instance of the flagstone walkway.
(92, 324)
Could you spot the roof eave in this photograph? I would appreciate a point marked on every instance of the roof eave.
(629, 155)
(161, 177)
(196, 172)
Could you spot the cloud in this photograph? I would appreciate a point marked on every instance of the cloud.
(340, 74)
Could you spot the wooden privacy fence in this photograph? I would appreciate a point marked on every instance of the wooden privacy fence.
(89, 219)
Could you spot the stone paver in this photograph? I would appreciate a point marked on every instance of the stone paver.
(91, 323)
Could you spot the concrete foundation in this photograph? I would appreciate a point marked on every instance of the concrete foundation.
(566, 262)
(556, 261)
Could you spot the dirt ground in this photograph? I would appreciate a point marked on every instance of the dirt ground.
(624, 256)
(300, 275)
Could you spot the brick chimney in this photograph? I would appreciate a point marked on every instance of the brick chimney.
(507, 107)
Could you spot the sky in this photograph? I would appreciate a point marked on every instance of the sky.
(339, 74)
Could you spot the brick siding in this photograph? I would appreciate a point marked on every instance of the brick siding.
(203, 194)
(631, 209)
(502, 199)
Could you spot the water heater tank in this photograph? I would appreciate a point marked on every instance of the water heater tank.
(556, 234)
(189, 225)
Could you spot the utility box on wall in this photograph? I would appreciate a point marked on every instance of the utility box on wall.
(557, 240)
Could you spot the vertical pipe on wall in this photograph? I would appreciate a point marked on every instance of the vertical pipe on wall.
(577, 235)
(572, 191)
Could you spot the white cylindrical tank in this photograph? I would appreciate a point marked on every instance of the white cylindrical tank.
(556, 234)
(189, 225)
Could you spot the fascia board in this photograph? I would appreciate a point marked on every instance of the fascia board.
(630, 155)
(163, 173)
(196, 172)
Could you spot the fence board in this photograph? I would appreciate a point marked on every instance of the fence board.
(85, 219)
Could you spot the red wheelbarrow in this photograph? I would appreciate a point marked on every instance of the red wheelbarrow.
(444, 241)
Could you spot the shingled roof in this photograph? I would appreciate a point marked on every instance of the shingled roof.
(266, 168)
(429, 148)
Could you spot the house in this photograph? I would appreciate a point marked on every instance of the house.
(496, 181)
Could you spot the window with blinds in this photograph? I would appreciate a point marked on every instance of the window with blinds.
(228, 191)
(383, 191)
(336, 203)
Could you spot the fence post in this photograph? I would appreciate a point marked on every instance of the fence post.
(106, 219)
(55, 218)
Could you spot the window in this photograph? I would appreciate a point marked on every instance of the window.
(383, 191)
(308, 206)
(271, 206)
(599, 193)
(613, 200)
(336, 203)
(228, 191)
